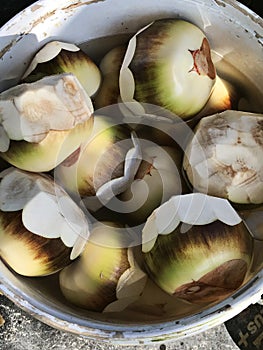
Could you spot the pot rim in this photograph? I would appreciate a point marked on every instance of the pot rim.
(249, 294)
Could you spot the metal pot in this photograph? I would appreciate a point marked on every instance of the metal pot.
(236, 36)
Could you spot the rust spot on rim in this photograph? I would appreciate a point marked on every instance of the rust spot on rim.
(42, 19)
(78, 4)
(35, 7)
(243, 9)
(10, 45)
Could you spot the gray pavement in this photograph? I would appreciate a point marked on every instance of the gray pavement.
(22, 332)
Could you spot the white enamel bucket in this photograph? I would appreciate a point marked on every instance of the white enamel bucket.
(236, 34)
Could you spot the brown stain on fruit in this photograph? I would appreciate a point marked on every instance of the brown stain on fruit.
(257, 133)
(72, 159)
(216, 284)
(203, 64)
(144, 169)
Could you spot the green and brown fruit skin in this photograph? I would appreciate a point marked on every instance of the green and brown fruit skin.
(29, 254)
(161, 180)
(91, 281)
(172, 67)
(98, 161)
(203, 265)
(51, 151)
(77, 63)
(109, 92)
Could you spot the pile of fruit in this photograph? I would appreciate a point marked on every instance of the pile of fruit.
(130, 170)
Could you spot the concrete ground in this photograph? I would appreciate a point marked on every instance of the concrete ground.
(22, 332)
